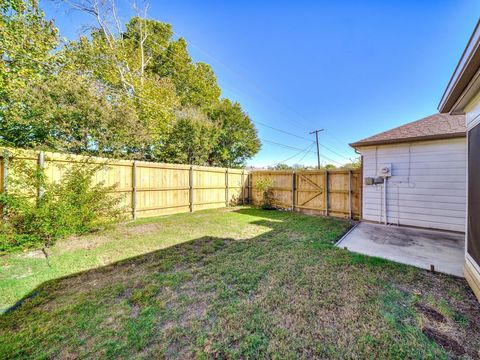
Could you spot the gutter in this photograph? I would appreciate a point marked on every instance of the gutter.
(408, 140)
(465, 70)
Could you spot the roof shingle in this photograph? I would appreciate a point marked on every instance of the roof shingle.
(436, 126)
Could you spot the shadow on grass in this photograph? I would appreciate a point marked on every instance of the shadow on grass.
(278, 222)
(287, 292)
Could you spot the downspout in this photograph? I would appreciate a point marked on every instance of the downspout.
(385, 198)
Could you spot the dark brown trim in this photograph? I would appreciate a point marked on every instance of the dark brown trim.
(473, 204)
(407, 140)
(360, 196)
(465, 70)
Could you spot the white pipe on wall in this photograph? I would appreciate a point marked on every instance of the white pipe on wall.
(380, 213)
(385, 198)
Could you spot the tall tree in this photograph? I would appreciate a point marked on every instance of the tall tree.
(26, 44)
(192, 139)
(195, 83)
(237, 136)
(78, 115)
(128, 90)
(118, 64)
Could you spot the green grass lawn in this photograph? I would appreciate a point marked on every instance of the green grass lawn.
(229, 283)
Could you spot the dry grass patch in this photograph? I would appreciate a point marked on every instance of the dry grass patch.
(242, 284)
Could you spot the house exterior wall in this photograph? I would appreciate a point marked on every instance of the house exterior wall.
(427, 187)
(472, 264)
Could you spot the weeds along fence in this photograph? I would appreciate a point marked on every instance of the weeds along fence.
(331, 193)
(151, 189)
(146, 188)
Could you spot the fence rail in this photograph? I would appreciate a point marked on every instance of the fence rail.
(146, 188)
(152, 189)
(331, 193)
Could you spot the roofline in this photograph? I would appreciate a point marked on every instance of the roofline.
(407, 140)
(465, 70)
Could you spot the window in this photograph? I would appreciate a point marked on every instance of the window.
(473, 231)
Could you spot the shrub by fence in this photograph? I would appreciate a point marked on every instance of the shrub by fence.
(146, 188)
(332, 193)
(153, 189)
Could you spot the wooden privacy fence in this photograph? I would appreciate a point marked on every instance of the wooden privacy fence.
(331, 193)
(153, 189)
(146, 188)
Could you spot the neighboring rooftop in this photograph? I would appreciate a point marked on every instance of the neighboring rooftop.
(436, 126)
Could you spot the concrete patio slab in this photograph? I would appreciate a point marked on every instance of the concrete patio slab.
(406, 245)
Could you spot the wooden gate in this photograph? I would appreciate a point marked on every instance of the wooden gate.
(331, 193)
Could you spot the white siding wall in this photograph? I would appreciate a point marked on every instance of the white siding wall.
(427, 187)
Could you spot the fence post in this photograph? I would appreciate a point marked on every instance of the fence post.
(5, 180)
(190, 192)
(134, 189)
(243, 187)
(326, 192)
(226, 188)
(249, 184)
(41, 166)
(350, 193)
(294, 188)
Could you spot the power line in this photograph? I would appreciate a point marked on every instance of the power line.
(298, 149)
(239, 75)
(331, 160)
(306, 151)
(280, 130)
(281, 145)
(318, 148)
(56, 66)
(301, 137)
(304, 155)
(246, 80)
(337, 139)
(147, 101)
(333, 151)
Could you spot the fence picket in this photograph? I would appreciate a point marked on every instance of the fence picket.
(152, 189)
(333, 193)
(147, 189)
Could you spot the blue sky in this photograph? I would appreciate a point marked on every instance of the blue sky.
(353, 68)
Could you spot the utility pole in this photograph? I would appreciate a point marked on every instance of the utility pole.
(318, 146)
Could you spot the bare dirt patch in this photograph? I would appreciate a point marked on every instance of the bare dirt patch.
(279, 292)
(444, 341)
(462, 320)
(35, 254)
(430, 313)
(143, 229)
(88, 242)
(135, 311)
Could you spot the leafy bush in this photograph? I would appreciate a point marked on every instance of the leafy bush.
(74, 205)
(264, 185)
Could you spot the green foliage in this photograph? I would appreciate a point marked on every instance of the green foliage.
(264, 185)
(120, 90)
(195, 83)
(356, 164)
(74, 205)
(237, 136)
(26, 41)
(191, 140)
(297, 167)
(71, 113)
(281, 167)
(184, 287)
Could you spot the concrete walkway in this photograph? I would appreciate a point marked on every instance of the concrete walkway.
(412, 246)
